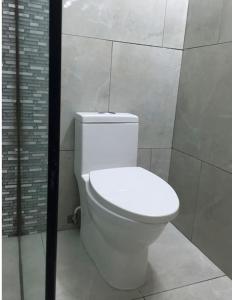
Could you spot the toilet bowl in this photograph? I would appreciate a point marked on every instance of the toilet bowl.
(124, 208)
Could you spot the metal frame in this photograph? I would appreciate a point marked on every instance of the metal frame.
(55, 23)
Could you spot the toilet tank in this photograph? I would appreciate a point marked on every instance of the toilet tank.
(105, 140)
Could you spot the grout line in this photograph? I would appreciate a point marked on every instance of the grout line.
(165, 14)
(220, 25)
(177, 98)
(171, 159)
(161, 148)
(143, 148)
(201, 250)
(111, 62)
(139, 298)
(146, 45)
(122, 42)
(186, 285)
(197, 203)
(186, 24)
(151, 155)
(208, 45)
(203, 161)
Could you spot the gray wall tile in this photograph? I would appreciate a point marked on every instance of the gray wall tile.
(123, 20)
(144, 158)
(203, 23)
(175, 23)
(204, 110)
(226, 22)
(160, 162)
(86, 66)
(145, 81)
(184, 178)
(68, 189)
(212, 230)
(85, 81)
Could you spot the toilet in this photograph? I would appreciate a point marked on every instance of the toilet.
(124, 208)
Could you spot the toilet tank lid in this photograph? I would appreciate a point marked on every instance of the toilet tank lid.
(105, 117)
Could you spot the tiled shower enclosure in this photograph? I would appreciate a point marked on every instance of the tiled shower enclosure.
(33, 73)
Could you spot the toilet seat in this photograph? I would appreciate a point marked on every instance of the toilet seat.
(134, 193)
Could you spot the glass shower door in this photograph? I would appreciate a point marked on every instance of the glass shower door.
(31, 120)
(33, 62)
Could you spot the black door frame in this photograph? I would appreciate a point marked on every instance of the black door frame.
(55, 25)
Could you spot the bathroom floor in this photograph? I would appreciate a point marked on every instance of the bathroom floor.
(177, 270)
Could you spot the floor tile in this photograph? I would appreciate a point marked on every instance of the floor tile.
(77, 276)
(217, 289)
(33, 266)
(174, 261)
(10, 269)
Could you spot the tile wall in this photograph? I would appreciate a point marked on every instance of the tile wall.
(33, 57)
(201, 164)
(120, 56)
(9, 144)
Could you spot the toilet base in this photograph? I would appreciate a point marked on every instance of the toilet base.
(123, 270)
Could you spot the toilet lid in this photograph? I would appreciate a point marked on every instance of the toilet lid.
(135, 193)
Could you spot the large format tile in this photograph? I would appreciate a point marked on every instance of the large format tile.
(204, 110)
(77, 276)
(122, 20)
(174, 261)
(213, 226)
(33, 267)
(184, 178)
(175, 23)
(10, 269)
(68, 189)
(160, 162)
(85, 81)
(226, 22)
(144, 81)
(144, 158)
(203, 22)
(216, 289)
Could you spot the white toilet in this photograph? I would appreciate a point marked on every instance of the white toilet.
(124, 208)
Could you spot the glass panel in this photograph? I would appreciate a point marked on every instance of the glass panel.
(33, 42)
(28, 223)
(10, 246)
